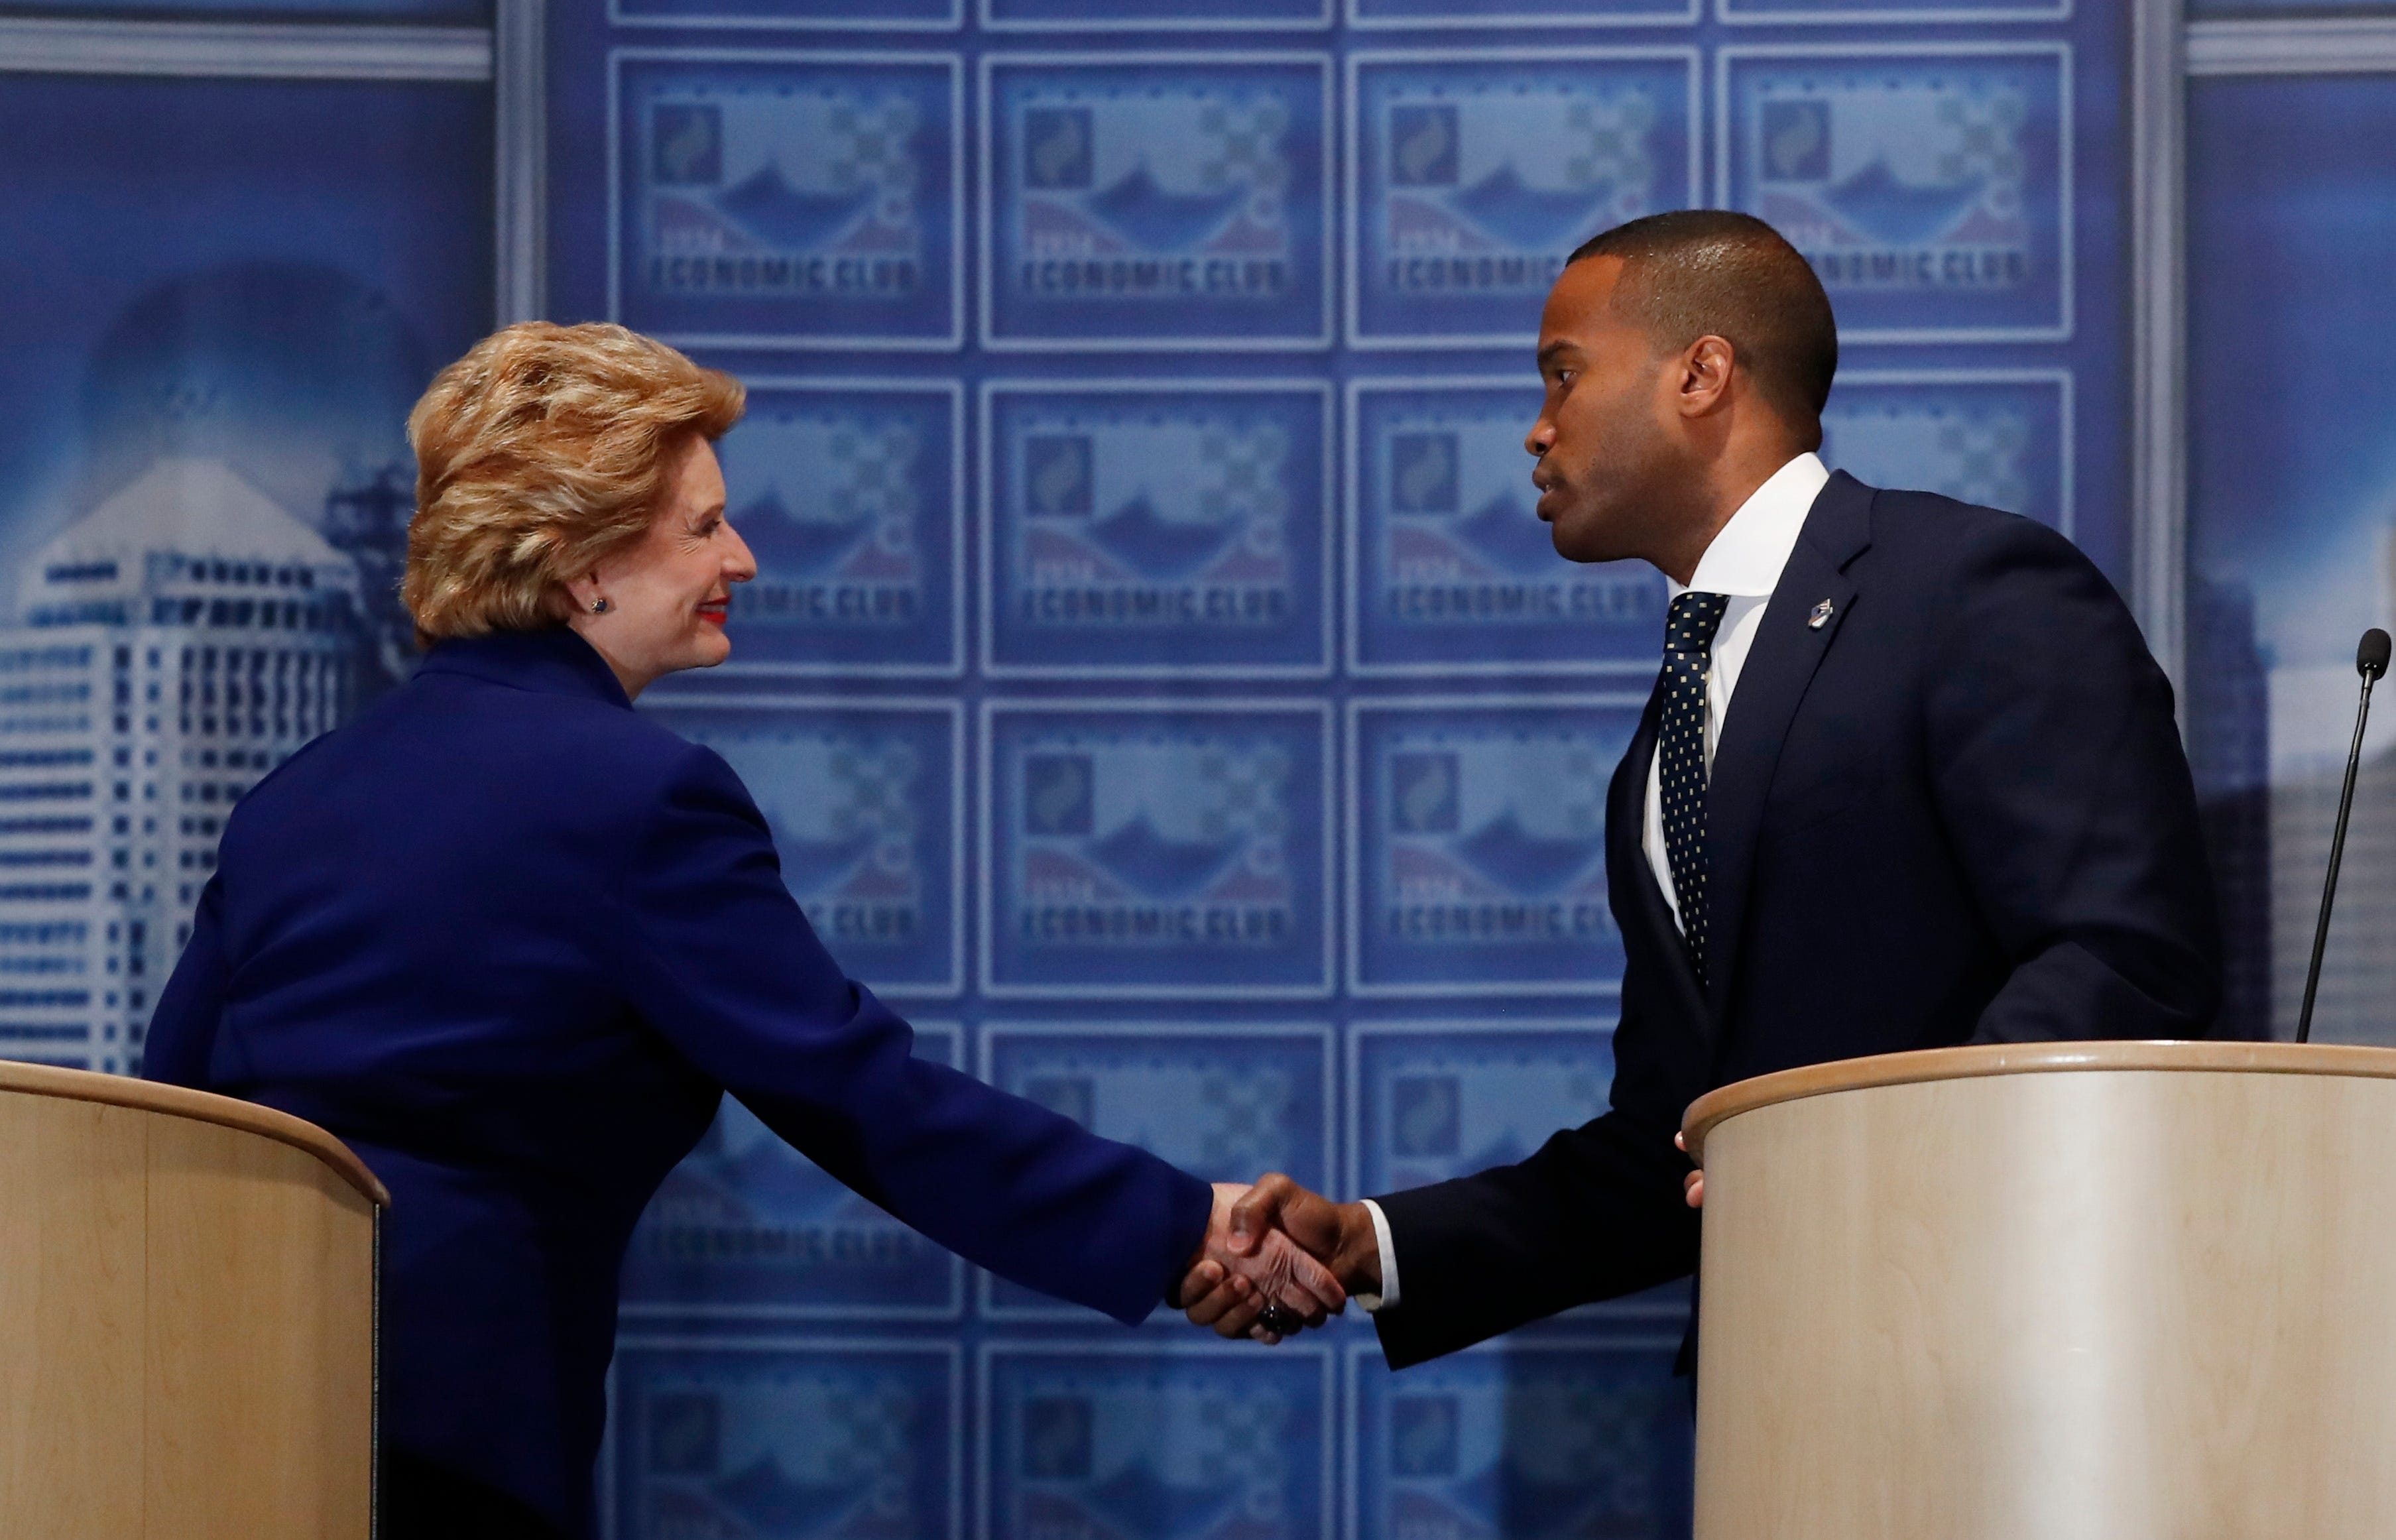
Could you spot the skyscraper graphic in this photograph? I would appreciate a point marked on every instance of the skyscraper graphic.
(2358, 974)
(2359, 965)
(177, 644)
(365, 520)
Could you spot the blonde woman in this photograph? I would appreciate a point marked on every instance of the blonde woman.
(514, 941)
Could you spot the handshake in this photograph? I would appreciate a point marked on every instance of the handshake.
(1278, 1258)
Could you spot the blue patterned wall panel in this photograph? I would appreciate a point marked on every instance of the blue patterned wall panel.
(1565, 1439)
(1477, 845)
(1475, 173)
(1291, 731)
(1138, 199)
(1139, 531)
(866, 800)
(1451, 572)
(747, 1228)
(1191, 1443)
(851, 495)
(787, 199)
(1929, 184)
(790, 1438)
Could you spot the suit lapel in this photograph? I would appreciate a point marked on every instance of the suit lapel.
(1626, 806)
(1781, 664)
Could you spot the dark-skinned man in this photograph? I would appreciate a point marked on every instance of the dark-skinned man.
(1908, 778)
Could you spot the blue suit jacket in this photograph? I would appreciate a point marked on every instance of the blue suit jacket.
(513, 941)
(1956, 811)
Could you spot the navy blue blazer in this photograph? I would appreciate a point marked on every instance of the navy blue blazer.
(512, 941)
(1957, 811)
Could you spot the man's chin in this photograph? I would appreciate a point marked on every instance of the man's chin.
(1574, 543)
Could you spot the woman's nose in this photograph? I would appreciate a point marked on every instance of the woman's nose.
(739, 565)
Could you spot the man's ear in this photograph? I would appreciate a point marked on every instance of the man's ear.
(1706, 368)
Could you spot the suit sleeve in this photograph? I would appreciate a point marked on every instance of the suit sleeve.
(2058, 773)
(719, 958)
(1596, 1213)
(182, 1033)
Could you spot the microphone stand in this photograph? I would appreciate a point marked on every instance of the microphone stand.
(2371, 661)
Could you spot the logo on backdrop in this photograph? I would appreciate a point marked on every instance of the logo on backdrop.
(1159, 531)
(2001, 442)
(1904, 10)
(1481, 851)
(847, 497)
(1925, 192)
(1562, 1440)
(1488, 13)
(1435, 1104)
(769, 203)
(1171, 852)
(861, 803)
(1224, 1105)
(1157, 200)
(812, 1440)
(1477, 180)
(746, 1226)
(1197, 1445)
(910, 14)
(1455, 569)
(1180, 16)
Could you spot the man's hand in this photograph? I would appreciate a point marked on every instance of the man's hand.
(1252, 1269)
(1693, 1186)
(1270, 1215)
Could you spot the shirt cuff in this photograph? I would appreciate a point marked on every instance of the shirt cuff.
(1388, 1299)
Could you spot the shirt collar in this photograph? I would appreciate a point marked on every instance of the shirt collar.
(555, 661)
(1748, 554)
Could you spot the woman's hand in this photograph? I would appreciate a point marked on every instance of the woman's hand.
(1230, 1290)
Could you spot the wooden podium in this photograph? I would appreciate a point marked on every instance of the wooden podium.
(2142, 1291)
(187, 1316)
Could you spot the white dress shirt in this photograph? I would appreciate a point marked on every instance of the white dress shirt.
(1744, 562)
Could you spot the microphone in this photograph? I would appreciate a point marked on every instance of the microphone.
(2370, 661)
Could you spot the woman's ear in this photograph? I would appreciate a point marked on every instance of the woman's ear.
(579, 596)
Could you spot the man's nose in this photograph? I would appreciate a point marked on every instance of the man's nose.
(1540, 438)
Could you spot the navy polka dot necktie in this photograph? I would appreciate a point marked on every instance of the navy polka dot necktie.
(1680, 757)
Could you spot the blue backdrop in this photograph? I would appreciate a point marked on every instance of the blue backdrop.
(1140, 396)
(1156, 679)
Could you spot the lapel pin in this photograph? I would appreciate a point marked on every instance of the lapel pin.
(1820, 618)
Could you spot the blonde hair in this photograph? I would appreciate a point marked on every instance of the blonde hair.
(539, 455)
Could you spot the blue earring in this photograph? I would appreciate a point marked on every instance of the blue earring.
(598, 607)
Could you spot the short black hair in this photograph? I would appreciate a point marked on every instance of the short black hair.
(1712, 272)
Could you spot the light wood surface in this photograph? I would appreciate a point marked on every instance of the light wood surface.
(2028, 1058)
(2147, 1294)
(41, 1080)
(188, 1298)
